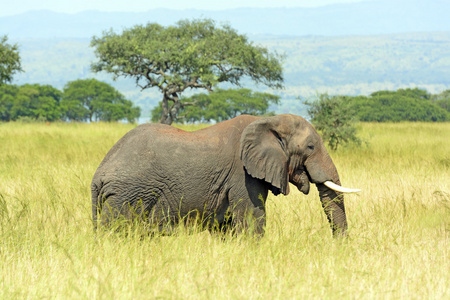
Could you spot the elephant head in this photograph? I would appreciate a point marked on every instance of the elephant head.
(286, 148)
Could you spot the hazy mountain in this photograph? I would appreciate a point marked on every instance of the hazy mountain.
(363, 18)
(348, 65)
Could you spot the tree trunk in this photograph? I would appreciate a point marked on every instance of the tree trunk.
(170, 114)
(165, 115)
(176, 107)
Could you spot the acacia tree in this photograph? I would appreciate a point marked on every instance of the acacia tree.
(9, 60)
(189, 55)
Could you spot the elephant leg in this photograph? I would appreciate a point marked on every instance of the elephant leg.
(112, 213)
(251, 220)
(241, 219)
(117, 213)
(222, 227)
(162, 218)
(249, 214)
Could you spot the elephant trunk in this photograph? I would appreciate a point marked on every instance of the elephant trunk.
(324, 174)
(333, 205)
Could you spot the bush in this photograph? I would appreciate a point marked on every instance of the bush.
(333, 117)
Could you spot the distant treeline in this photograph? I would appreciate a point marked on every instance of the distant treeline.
(80, 100)
(402, 105)
(93, 100)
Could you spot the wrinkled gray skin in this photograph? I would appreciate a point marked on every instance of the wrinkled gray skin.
(223, 173)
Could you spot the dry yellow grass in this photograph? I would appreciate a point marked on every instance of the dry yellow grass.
(398, 245)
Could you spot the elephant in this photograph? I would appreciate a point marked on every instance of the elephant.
(160, 175)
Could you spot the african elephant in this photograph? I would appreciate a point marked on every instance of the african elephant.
(222, 173)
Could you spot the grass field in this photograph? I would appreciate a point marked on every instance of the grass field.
(399, 226)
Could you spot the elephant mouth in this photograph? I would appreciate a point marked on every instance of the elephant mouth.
(300, 179)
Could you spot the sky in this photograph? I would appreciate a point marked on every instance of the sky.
(14, 7)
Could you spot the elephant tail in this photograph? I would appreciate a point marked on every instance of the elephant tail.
(95, 191)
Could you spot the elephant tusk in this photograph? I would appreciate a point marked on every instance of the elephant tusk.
(339, 188)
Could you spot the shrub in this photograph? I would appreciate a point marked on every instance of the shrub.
(333, 117)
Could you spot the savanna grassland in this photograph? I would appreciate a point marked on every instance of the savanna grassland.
(398, 245)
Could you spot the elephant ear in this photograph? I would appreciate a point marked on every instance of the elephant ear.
(264, 155)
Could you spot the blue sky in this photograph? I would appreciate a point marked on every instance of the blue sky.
(13, 7)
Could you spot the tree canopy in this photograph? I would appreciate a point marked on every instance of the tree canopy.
(401, 105)
(222, 105)
(90, 99)
(81, 100)
(189, 55)
(9, 60)
(32, 101)
(442, 100)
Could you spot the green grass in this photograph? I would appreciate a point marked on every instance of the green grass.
(399, 227)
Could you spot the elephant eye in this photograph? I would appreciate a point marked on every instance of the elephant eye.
(311, 147)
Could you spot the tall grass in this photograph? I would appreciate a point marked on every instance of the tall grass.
(399, 227)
